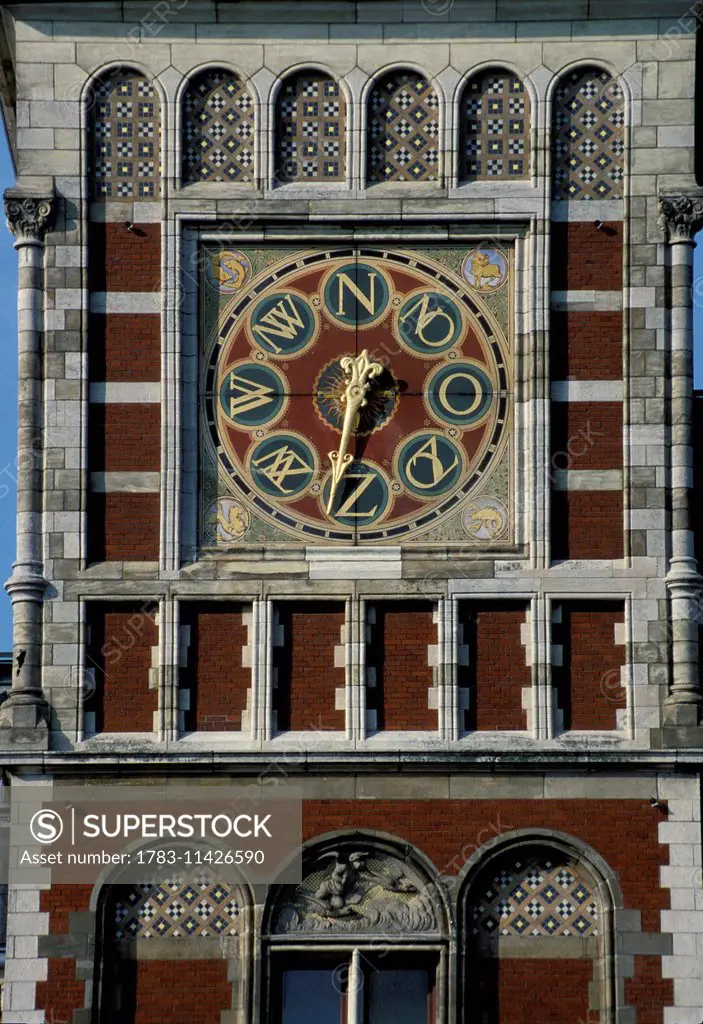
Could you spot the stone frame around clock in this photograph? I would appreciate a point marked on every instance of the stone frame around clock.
(182, 405)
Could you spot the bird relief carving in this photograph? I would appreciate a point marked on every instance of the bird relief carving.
(358, 892)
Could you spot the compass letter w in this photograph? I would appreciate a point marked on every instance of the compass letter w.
(281, 321)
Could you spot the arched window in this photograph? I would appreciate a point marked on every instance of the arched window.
(218, 128)
(403, 129)
(310, 127)
(170, 945)
(495, 127)
(125, 128)
(387, 920)
(530, 907)
(588, 136)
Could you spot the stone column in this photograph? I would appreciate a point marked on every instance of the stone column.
(25, 712)
(681, 218)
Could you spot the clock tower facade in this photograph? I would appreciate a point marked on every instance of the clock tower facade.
(356, 457)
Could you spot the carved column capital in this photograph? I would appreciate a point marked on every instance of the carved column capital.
(28, 217)
(680, 217)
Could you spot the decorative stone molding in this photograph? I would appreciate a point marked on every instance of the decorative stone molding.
(680, 217)
(28, 217)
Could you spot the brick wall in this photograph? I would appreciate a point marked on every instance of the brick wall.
(119, 650)
(304, 696)
(586, 258)
(587, 524)
(510, 991)
(586, 435)
(123, 260)
(448, 832)
(648, 991)
(124, 527)
(588, 685)
(61, 993)
(586, 345)
(124, 347)
(215, 674)
(397, 651)
(496, 674)
(167, 992)
(124, 437)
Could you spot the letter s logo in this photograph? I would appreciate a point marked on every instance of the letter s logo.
(46, 826)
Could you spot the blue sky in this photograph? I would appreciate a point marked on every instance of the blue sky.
(8, 389)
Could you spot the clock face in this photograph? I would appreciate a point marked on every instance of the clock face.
(356, 395)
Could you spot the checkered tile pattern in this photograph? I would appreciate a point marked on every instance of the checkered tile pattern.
(588, 136)
(310, 125)
(403, 129)
(125, 130)
(218, 129)
(495, 125)
(536, 897)
(177, 909)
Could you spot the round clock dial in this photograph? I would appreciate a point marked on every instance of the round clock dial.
(356, 395)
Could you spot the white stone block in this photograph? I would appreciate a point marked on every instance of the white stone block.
(54, 114)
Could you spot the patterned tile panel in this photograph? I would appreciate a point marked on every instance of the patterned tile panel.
(310, 127)
(181, 908)
(218, 129)
(403, 129)
(495, 127)
(588, 136)
(536, 897)
(125, 130)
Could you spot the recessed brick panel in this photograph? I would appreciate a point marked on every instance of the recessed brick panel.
(585, 258)
(506, 990)
(124, 347)
(588, 684)
(398, 651)
(167, 992)
(121, 637)
(585, 345)
(587, 524)
(304, 695)
(124, 527)
(586, 435)
(122, 260)
(215, 674)
(124, 437)
(496, 674)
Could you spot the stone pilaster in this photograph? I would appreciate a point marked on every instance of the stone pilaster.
(681, 218)
(24, 715)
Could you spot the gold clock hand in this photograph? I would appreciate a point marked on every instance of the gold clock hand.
(359, 371)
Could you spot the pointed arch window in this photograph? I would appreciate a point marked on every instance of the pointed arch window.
(495, 127)
(588, 136)
(310, 129)
(403, 129)
(218, 129)
(125, 130)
